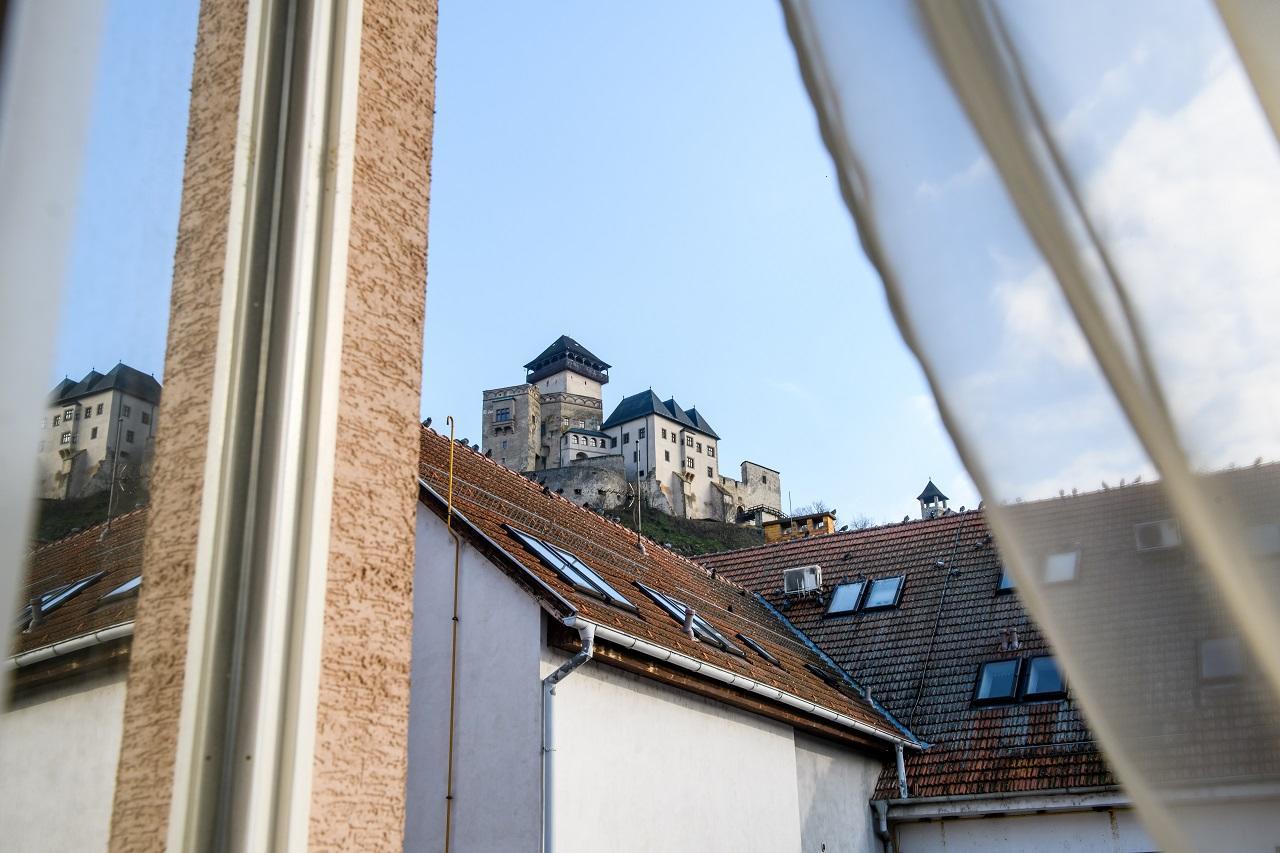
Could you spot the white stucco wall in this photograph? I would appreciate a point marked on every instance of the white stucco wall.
(834, 788)
(58, 754)
(497, 747)
(1108, 831)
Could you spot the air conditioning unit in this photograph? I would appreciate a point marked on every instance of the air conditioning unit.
(1154, 535)
(801, 580)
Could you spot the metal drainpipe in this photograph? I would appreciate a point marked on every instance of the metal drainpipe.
(881, 809)
(587, 633)
(902, 771)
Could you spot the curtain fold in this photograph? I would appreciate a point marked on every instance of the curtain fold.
(1073, 208)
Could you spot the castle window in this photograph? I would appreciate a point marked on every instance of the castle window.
(66, 438)
(635, 456)
(688, 440)
(711, 450)
(146, 417)
(709, 474)
(68, 414)
(125, 411)
(664, 433)
(57, 419)
(673, 439)
(593, 442)
(93, 433)
(626, 438)
(764, 478)
(641, 432)
(699, 447)
(128, 436)
(502, 415)
(666, 454)
(613, 442)
(88, 410)
(688, 462)
(99, 408)
(575, 439)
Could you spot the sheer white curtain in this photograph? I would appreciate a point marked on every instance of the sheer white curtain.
(1075, 210)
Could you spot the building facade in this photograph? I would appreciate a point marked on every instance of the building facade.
(553, 425)
(102, 424)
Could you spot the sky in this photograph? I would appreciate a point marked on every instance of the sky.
(648, 180)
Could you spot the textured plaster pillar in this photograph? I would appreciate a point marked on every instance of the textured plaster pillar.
(358, 784)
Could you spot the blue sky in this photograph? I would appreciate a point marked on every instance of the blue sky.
(648, 180)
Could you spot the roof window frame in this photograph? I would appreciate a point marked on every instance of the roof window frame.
(1004, 699)
(1027, 668)
(862, 585)
(760, 650)
(572, 569)
(897, 593)
(703, 630)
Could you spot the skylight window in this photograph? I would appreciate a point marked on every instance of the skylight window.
(760, 650)
(124, 590)
(846, 598)
(1221, 659)
(1061, 567)
(702, 629)
(1006, 581)
(997, 681)
(570, 567)
(1044, 681)
(56, 598)
(884, 592)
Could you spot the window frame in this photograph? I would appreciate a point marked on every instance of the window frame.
(1012, 697)
(897, 593)
(829, 613)
(571, 568)
(1075, 552)
(1028, 668)
(760, 650)
(675, 608)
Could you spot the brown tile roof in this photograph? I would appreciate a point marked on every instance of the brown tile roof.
(490, 497)
(1141, 616)
(920, 660)
(117, 554)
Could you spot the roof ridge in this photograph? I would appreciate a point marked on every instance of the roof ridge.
(46, 545)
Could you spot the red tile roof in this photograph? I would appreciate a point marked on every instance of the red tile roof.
(490, 497)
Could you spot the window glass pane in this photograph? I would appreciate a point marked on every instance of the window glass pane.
(998, 680)
(845, 598)
(1006, 581)
(1061, 567)
(1043, 677)
(123, 590)
(1221, 658)
(884, 592)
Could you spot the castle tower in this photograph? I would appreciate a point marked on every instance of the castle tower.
(523, 424)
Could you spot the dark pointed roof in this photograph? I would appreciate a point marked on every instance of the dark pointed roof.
(122, 377)
(932, 492)
(648, 403)
(567, 354)
(701, 423)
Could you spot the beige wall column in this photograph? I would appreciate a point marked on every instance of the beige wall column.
(357, 707)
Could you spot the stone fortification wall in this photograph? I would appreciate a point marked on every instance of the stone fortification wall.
(599, 483)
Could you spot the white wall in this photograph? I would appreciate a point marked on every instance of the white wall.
(497, 746)
(58, 754)
(834, 787)
(642, 767)
(1109, 831)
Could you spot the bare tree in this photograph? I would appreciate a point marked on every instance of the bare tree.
(813, 508)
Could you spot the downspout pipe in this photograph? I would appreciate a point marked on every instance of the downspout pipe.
(902, 771)
(881, 809)
(587, 634)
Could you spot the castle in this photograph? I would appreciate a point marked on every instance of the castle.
(552, 428)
